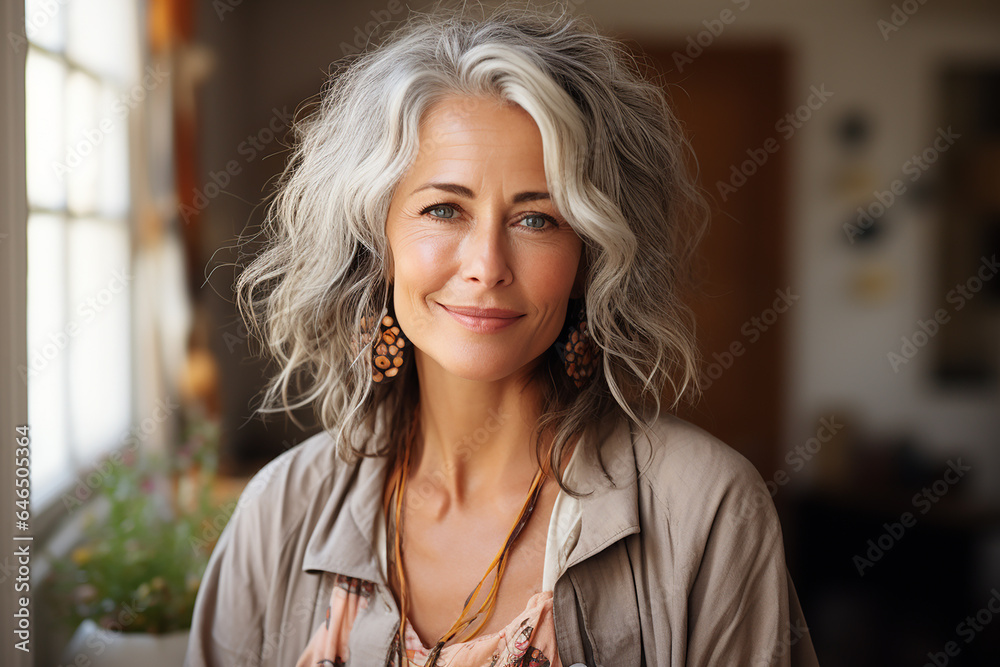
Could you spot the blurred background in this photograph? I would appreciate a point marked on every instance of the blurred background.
(849, 315)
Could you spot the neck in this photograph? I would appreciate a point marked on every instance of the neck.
(474, 444)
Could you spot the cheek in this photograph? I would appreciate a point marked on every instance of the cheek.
(423, 265)
(420, 259)
(551, 274)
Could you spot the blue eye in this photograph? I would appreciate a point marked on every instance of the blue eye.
(538, 216)
(439, 207)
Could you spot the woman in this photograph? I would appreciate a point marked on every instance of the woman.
(472, 274)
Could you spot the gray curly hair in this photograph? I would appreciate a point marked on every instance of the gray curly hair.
(615, 164)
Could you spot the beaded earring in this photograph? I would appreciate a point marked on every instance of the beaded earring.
(575, 346)
(387, 349)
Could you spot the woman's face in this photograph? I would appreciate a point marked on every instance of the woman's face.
(471, 226)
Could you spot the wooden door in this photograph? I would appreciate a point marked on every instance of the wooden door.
(733, 102)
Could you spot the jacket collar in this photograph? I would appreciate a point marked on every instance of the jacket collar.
(344, 541)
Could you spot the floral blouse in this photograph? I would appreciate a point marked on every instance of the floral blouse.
(528, 640)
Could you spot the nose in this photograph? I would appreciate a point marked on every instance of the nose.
(485, 253)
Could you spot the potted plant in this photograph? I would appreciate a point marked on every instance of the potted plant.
(129, 587)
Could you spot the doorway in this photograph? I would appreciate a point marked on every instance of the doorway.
(732, 103)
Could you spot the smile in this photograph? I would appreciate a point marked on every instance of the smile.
(473, 319)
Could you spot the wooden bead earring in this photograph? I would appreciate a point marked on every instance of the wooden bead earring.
(387, 349)
(575, 346)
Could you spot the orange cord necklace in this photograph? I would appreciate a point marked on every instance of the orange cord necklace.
(393, 500)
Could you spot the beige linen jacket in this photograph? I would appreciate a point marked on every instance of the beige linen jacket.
(679, 560)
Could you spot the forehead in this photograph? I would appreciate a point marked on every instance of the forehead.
(465, 110)
(462, 132)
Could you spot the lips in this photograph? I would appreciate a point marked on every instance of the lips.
(472, 311)
(482, 320)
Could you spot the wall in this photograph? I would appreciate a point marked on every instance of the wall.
(273, 54)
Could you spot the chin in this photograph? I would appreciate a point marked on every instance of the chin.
(477, 370)
(479, 363)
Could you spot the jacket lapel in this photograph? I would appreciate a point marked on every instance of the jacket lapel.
(343, 542)
(598, 595)
(611, 511)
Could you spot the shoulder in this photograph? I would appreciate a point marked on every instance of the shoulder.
(687, 455)
(711, 518)
(282, 484)
(276, 509)
(699, 481)
(245, 575)
(287, 489)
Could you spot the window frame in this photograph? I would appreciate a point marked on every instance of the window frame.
(49, 511)
(13, 268)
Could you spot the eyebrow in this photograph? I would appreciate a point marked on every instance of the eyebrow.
(463, 191)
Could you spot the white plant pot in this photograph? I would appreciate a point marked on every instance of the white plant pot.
(108, 648)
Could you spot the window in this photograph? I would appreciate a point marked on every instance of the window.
(82, 82)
